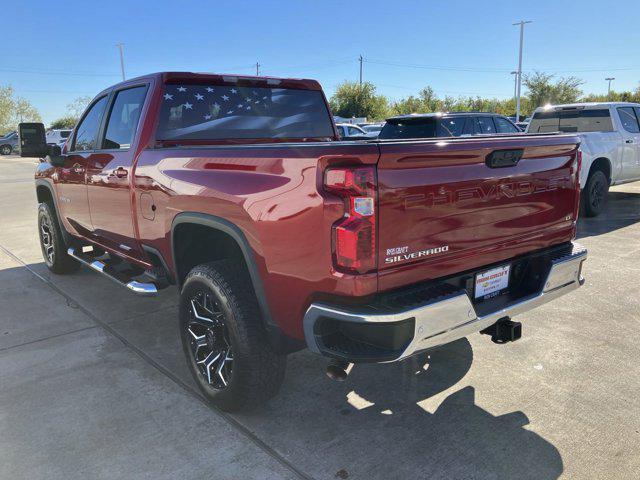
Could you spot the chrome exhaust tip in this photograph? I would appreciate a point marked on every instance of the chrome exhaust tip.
(338, 370)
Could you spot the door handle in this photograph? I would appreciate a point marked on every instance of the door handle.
(628, 141)
(77, 168)
(120, 172)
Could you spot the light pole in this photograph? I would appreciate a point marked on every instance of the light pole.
(120, 45)
(609, 79)
(515, 87)
(519, 74)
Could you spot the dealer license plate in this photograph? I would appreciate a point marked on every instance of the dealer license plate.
(491, 282)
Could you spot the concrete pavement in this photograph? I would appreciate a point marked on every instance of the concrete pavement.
(93, 383)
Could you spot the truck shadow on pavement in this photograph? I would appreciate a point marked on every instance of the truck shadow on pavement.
(402, 420)
(418, 418)
(621, 210)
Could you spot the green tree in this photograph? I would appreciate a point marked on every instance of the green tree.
(25, 112)
(426, 102)
(6, 109)
(627, 96)
(75, 108)
(354, 100)
(64, 123)
(430, 102)
(408, 105)
(542, 90)
(14, 109)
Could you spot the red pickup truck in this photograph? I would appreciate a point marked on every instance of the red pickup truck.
(279, 236)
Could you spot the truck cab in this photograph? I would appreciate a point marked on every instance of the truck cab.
(610, 143)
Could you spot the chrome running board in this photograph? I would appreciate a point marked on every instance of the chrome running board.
(139, 288)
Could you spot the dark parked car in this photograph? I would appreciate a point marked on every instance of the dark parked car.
(429, 125)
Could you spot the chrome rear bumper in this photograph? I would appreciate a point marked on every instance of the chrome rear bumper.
(445, 319)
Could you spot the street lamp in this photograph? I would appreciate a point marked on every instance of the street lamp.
(609, 79)
(515, 88)
(120, 45)
(519, 74)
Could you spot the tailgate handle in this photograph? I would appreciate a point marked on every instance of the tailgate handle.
(504, 158)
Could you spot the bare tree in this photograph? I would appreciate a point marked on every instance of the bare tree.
(78, 106)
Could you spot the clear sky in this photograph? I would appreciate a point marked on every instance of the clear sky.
(55, 52)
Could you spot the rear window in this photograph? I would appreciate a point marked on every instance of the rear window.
(409, 128)
(210, 112)
(571, 120)
(65, 133)
(505, 126)
(451, 126)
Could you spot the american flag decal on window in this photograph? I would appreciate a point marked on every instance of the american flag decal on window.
(206, 103)
(215, 112)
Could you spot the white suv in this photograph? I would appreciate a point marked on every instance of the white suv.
(57, 137)
(610, 134)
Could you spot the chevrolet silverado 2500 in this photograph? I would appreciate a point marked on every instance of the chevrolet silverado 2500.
(279, 236)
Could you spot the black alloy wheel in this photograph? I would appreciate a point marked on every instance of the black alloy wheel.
(209, 341)
(595, 193)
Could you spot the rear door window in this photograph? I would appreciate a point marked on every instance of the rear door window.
(628, 119)
(486, 126)
(87, 131)
(124, 116)
(470, 126)
(212, 112)
(451, 126)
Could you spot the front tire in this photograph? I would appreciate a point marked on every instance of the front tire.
(224, 340)
(595, 193)
(52, 244)
(6, 149)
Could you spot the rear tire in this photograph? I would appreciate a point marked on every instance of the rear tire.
(224, 340)
(6, 149)
(595, 193)
(52, 244)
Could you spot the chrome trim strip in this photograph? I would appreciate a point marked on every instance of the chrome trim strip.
(139, 288)
(444, 321)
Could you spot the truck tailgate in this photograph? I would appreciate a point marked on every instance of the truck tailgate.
(444, 210)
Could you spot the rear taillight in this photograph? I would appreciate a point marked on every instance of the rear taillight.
(354, 235)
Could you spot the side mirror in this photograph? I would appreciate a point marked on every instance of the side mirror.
(33, 141)
(54, 156)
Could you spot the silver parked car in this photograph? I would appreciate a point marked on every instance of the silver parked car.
(373, 129)
(347, 130)
(9, 143)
